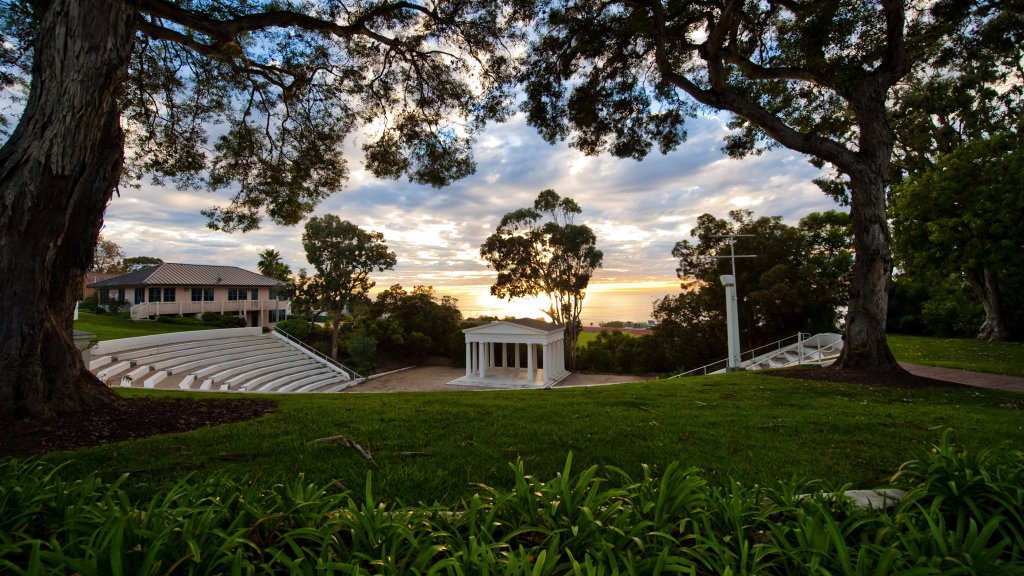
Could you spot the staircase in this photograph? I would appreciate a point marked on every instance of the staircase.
(793, 351)
(233, 360)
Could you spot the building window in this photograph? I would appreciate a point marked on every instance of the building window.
(242, 292)
(154, 294)
(272, 316)
(207, 294)
(273, 294)
(170, 294)
(140, 295)
(255, 294)
(104, 296)
(280, 316)
(197, 294)
(120, 294)
(232, 294)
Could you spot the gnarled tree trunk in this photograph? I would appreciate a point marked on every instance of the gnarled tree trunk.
(57, 173)
(864, 345)
(986, 288)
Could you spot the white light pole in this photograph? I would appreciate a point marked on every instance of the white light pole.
(732, 316)
(732, 324)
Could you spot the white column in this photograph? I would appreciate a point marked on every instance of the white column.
(531, 362)
(518, 363)
(547, 362)
(504, 354)
(484, 361)
(469, 359)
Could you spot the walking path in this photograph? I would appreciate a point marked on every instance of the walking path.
(976, 379)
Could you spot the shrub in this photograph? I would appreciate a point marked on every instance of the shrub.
(961, 514)
(223, 320)
(297, 327)
(183, 320)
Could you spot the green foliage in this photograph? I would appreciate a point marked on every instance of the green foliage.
(540, 250)
(362, 349)
(959, 223)
(343, 255)
(271, 265)
(216, 319)
(415, 324)
(135, 263)
(617, 353)
(297, 327)
(284, 85)
(796, 282)
(184, 320)
(961, 514)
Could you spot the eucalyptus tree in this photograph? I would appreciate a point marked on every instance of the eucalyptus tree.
(816, 77)
(343, 255)
(540, 250)
(258, 97)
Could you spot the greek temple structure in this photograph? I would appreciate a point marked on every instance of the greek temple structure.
(519, 353)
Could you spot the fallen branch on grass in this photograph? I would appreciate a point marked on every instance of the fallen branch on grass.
(345, 441)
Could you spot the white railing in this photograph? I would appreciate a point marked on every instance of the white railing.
(797, 342)
(331, 362)
(147, 309)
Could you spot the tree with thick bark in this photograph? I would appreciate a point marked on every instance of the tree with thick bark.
(814, 77)
(146, 84)
(343, 255)
(963, 218)
(540, 250)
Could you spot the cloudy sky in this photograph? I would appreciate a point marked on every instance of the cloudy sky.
(637, 209)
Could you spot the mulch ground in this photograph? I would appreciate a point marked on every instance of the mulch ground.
(141, 417)
(133, 418)
(866, 377)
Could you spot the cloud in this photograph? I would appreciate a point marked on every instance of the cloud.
(639, 210)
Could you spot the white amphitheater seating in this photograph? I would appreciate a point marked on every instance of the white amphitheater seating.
(239, 361)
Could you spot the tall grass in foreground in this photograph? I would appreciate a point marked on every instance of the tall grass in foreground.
(962, 514)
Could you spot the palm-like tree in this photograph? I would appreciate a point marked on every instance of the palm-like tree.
(270, 264)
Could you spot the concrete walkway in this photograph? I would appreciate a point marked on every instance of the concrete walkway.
(976, 379)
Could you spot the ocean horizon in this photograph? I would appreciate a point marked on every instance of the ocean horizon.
(606, 302)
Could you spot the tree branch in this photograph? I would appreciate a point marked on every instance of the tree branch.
(223, 30)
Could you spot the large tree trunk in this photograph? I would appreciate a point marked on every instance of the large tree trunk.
(57, 173)
(986, 288)
(864, 345)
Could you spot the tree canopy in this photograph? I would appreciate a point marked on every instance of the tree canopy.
(816, 77)
(259, 98)
(271, 265)
(963, 218)
(343, 255)
(796, 281)
(540, 250)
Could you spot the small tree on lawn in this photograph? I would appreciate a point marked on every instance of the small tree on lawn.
(540, 250)
(343, 255)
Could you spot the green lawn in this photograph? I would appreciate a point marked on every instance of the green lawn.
(111, 327)
(751, 427)
(965, 354)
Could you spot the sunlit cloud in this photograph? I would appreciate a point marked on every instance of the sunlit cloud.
(638, 210)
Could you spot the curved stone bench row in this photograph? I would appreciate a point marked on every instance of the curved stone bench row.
(259, 363)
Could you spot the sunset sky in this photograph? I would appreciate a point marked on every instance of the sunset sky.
(638, 210)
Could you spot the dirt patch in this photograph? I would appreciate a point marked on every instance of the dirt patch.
(133, 418)
(865, 377)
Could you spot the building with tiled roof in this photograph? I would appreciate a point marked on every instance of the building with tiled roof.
(192, 289)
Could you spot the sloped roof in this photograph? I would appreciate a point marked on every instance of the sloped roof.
(528, 323)
(171, 274)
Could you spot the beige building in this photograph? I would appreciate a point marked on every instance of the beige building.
(192, 289)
